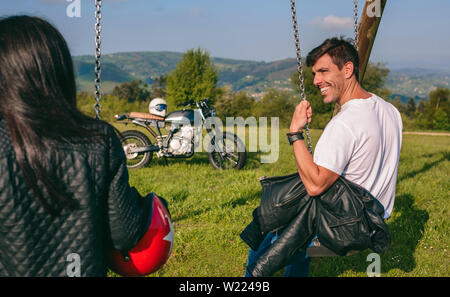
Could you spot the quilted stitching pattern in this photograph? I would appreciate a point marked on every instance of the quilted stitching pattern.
(34, 243)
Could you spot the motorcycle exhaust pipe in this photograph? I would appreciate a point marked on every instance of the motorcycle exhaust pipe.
(143, 149)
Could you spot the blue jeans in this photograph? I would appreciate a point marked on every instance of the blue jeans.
(298, 267)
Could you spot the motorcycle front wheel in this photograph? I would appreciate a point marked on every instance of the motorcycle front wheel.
(227, 152)
(132, 139)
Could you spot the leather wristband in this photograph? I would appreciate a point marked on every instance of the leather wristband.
(294, 136)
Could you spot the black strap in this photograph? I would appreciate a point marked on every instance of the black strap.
(292, 137)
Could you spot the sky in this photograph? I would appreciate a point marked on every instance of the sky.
(412, 33)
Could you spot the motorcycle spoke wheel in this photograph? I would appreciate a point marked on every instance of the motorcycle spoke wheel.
(228, 153)
(133, 139)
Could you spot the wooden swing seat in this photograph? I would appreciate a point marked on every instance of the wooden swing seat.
(319, 250)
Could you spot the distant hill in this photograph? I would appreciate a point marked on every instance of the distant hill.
(110, 72)
(241, 75)
(416, 82)
(250, 76)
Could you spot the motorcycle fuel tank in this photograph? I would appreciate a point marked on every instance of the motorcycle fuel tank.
(182, 116)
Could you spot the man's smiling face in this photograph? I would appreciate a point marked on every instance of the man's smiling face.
(329, 79)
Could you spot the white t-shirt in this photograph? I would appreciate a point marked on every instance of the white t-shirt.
(362, 143)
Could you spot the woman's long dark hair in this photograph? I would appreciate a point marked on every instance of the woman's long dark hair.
(38, 100)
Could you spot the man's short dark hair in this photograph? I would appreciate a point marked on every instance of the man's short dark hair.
(340, 50)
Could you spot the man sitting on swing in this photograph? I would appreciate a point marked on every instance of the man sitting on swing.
(361, 143)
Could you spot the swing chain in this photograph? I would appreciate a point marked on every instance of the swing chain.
(337, 107)
(355, 24)
(300, 69)
(98, 41)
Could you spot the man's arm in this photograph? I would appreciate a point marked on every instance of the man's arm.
(315, 178)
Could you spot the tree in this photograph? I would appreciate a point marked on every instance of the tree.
(441, 121)
(421, 107)
(194, 78)
(439, 99)
(242, 105)
(411, 108)
(437, 109)
(276, 103)
(223, 104)
(232, 104)
(159, 87)
(397, 102)
(375, 79)
(132, 91)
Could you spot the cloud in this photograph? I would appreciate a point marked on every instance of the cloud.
(333, 22)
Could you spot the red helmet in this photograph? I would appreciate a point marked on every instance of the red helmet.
(152, 251)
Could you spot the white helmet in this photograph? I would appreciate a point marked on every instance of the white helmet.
(158, 106)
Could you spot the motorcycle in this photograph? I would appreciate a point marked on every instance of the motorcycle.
(225, 150)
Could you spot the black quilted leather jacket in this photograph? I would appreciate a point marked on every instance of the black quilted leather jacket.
(34, 243)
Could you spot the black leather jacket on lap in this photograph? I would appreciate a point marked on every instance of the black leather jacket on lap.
(111, 213)
(345, 217)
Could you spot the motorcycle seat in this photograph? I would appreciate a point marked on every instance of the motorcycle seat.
(145, 116)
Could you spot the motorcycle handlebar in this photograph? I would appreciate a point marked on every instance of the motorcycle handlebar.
(190, 102)
(120, 117)
(187, 103)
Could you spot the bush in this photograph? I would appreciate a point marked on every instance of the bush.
(409, 123)
(110, 105)
(232, 104)
(440, 120)
(276, 103)
(132, 91)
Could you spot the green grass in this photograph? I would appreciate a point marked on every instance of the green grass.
(210, 208)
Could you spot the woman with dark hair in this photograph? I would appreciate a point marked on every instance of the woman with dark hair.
(63, 180)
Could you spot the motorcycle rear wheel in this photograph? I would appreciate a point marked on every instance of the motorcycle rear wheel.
(228, 153)
(133, 138)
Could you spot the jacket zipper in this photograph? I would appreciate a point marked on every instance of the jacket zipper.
(345, 222)
(289, 200)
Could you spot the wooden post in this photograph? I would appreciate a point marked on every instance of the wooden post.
(367, 31)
